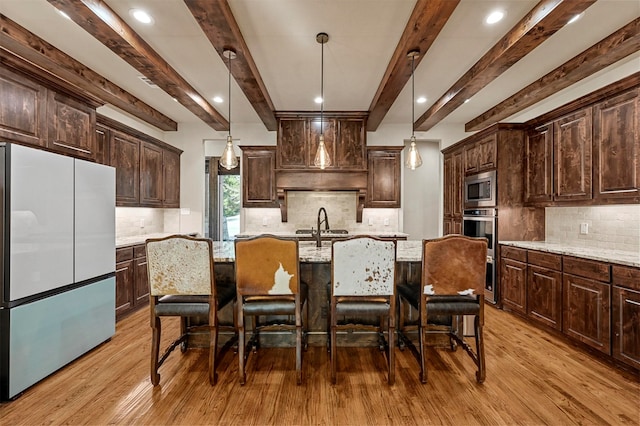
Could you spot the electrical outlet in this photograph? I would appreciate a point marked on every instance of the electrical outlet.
(584, 228)
(370, 221)
(141, 223)
(265, 221)
(386, 221)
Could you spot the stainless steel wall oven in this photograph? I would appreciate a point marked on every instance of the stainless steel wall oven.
(484, 223)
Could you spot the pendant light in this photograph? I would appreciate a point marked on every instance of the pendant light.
(322, 158)
(413, 156)
(228, 160)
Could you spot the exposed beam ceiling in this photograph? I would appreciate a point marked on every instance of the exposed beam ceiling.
(617, 46)
(423, 27)
(547, 17)
(217, 21)
(19, 41)
(95, 17)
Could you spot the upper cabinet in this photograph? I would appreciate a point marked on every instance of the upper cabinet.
(383, 184)
(616, 148)
(481, 155)
(125, 157)
(151, 175)
(71, 126)
(344, 138)
(258, 176)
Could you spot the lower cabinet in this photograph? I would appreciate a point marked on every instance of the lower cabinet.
(626, 315)
(132, 283)
(544, 289)
(513, 283)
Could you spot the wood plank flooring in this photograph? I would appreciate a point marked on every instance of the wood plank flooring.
(532, 378)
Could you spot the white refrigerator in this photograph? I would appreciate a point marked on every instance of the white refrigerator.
(57, 262)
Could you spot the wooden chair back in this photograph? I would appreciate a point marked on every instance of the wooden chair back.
(453, 264)
(267, 265)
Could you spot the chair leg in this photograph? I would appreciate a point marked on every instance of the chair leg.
(213, 347)
(156, 328)
(299, 352)
(481, 374)
(333, 352)
(423, 349)
(391, 356)
(241, 345)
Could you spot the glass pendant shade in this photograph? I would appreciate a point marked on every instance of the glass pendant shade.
(228, 160)
(322, 159)
(413, 157)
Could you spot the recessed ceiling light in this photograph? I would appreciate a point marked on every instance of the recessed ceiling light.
(575, 18)
(318, 100)
(218, 99)
(466, 100)
(141, 16)
(64, 14)
(421, 100)
(494, 17)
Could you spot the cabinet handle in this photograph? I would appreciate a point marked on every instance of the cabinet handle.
(86, 151)
(121, 269)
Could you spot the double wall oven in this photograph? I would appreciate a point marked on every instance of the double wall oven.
(480, 219)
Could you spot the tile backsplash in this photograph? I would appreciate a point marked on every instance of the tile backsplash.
(302, 213)
(132, 221)
(610, 227)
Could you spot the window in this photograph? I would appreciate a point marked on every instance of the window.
(222, 201)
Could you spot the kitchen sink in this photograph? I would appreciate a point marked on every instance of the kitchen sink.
(323, 231)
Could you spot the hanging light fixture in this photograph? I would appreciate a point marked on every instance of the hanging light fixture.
(228, 160)
(322, 158)
(413, 156)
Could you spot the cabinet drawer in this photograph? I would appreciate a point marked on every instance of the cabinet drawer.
(124, 253)
(139, 251)
(514, 253)
(625, 276)
(546, 260)
(587, 268)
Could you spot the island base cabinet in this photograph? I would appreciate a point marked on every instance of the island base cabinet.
(626, 326)
(586, 311)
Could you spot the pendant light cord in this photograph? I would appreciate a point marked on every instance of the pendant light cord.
(229, 65)
(321, 87)
(413, 58)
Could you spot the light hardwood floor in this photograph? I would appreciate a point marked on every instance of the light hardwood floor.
(532, 378)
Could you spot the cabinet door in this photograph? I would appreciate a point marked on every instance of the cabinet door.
(471, 159)
(572, 157)
(141, 281)
(330, 131)
(258, 177)
(151, 185)
(448, 188)
(458, 187)
(587, 311)
(513, 281)
(538, 160)
(124, 287)
(383, 185)
(487, 148)
(171, 178)
(71, 126)
(23, 106)
(125, 157)
(616, 148)
(102, 145)
(626, 326)
(544, 296)
(293, 135)
(351, 144)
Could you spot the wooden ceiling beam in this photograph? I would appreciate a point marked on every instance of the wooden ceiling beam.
(99, 20)
(220, 26)
(56, 64)
(547, 17)
(609, 50)
(426, 21)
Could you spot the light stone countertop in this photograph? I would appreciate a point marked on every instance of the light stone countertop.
(140, 239)
(620, 257)
(382, 234)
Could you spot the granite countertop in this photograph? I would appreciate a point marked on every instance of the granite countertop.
(621, 257)
(289, 234)
(408, 251)
(140, 239)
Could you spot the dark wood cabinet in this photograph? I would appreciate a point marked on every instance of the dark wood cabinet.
(103, 142)
(71, 126)
(544, 288)
(132, 283)
(344, 139)
(23, 107)
(626, 315)
(125, 157)
(587, 302)
(513, 282)
(258, 176)
(383, 184)
(572, 163)
(616, 148)
(481, 155)
(452, 195)
(538, 165)
(171, 178)
(151, 175)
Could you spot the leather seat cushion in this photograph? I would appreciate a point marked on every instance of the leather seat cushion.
(362, 308)
(182, 309)
(274, 305)
(439, 307)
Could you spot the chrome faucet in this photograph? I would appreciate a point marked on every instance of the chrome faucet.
(325, 220)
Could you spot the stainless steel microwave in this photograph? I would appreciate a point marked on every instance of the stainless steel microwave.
(480, 190)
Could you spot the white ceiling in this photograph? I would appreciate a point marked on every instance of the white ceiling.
(363, 35)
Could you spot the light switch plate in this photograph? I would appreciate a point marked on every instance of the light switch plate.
(584, 228)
